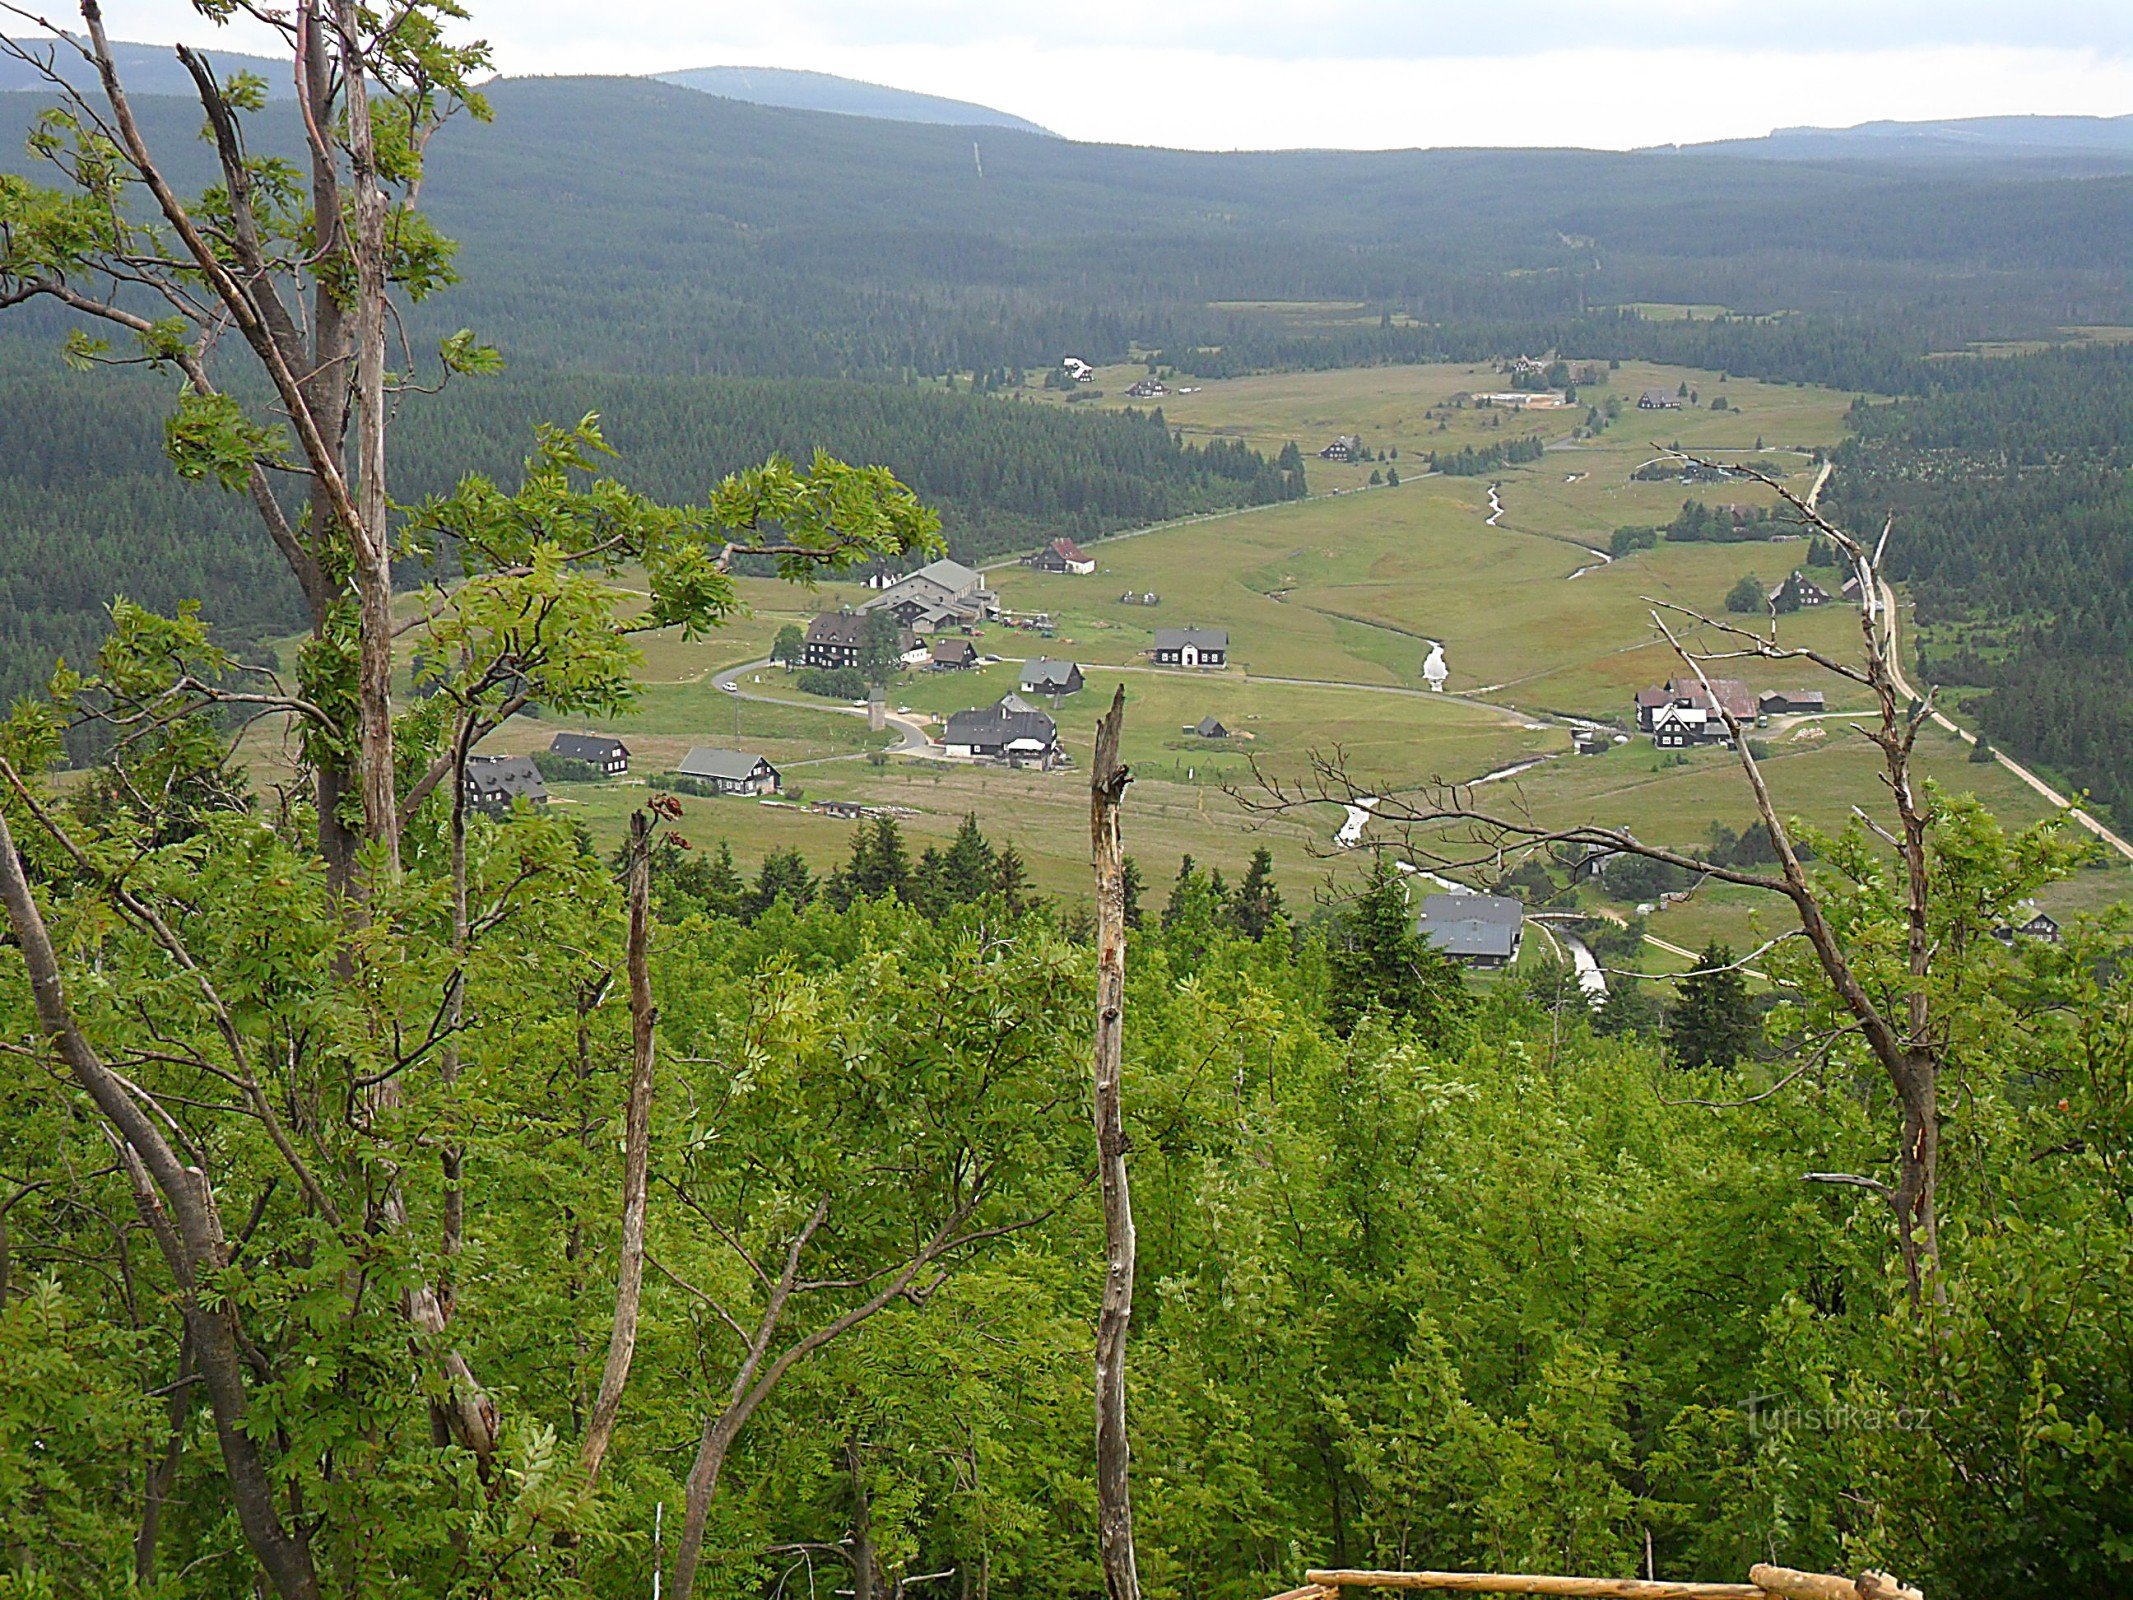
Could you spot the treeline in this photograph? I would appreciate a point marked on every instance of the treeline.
(91, 509)
(2011, 486)
(1468, 461)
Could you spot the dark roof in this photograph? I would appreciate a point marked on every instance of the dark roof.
(1208, 728)
(505, 778)
(1045, 673)
(593, 747)
(1473, 924)
(1001, 724)
(1793, 697)
(1198, 638)
(837, 627)
(733, 766)
(954, 650)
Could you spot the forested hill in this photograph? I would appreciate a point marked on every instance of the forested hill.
(630, 224)
(2011, 487)
(78, 524)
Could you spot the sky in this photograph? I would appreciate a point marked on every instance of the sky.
(1358, 74)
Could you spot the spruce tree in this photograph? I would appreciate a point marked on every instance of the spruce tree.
(1255, 908)
(1011, 880)
(1711, 1022)
(782, 876)
(1382, 963)
(1130, 882)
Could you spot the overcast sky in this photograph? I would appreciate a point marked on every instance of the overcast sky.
(1226, 74)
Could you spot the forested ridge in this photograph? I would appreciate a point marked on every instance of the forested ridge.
(2011, 485)
(91, 509)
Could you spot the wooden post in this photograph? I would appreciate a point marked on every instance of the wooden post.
(1114, 1505)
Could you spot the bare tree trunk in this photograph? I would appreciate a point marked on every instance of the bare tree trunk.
(866, 1576)
(1114, 1503)
(373, 566)
(636, 1155)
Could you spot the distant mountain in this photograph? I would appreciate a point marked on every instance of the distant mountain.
(149, 69)
(818, 91)
(2086, 145)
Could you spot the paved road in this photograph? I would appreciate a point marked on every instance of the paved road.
(2051, 796)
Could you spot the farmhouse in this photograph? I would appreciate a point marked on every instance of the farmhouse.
(1479, 930)
(1045, 676)
(1658, 400)
(940, 594)
(1850, 591)
(833, 640)
(1079, 370)
(729, 771)
(602, 754)
(1191, 647)
(1676, 727)
(1732, 694)
(1346, 448)
(1803, 591)
(953, 654)
(1011, 731)
(1148, 389)
(494, 782)
(2040, 926)
(1061, 555)
(1792, 703)
(1208, 728)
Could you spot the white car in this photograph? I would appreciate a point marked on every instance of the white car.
(730, 687)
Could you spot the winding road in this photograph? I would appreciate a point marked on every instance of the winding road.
(911, 738)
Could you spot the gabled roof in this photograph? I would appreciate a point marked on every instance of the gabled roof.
(1473, 924)
(1066, 550)
(733, 766)
(1198, 638)
(1002, 724)
(593, 747)
(1045, 674)
(837, 627)
(953, 649)
(950, 575)
(1208, 728)
(505, 777)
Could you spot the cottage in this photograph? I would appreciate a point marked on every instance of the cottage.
(1850, 591)
(940, 594)
(1346, 448)
(1676, 727)
(494, 783)
(1658, 400)
(1011, 731)
(1729, 693)
(1077, 369)
(602, 754)
(1792, 703)
(729, 771)
(1062, 555)
(1477, 930)
(1148, 389)
(1208, 728)
(1798, 590)
(1045, 676)
(1191, 647)
(955, 654)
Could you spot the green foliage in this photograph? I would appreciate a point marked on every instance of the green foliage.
(1712, 1022)
(1746, 596)
(1382, 964)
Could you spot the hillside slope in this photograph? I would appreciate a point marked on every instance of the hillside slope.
(820, 91)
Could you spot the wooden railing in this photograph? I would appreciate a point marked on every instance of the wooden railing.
(1764, 1583)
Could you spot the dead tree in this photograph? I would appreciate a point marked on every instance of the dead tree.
(1452, 826)
(1114, 1502)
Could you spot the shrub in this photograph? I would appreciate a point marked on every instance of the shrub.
(561, 769)
(834, 683)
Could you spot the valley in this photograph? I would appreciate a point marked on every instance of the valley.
(1331, 605)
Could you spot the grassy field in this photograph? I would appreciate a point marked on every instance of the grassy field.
(1332, 604)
